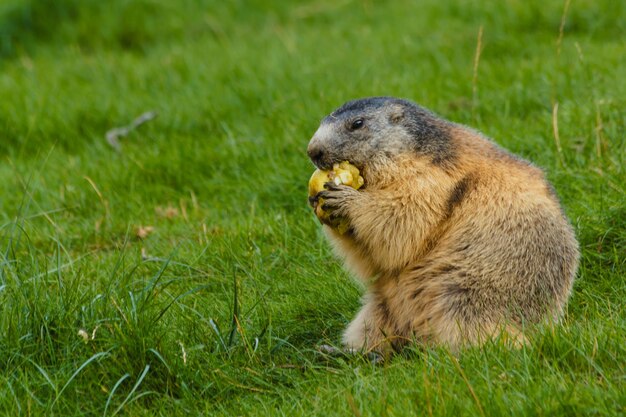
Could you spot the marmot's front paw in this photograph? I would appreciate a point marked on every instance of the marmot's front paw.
(331, 214)
(337, 199)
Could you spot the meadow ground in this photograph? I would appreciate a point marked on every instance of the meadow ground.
(189, 261)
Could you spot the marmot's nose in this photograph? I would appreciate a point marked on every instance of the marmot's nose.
(316, 154)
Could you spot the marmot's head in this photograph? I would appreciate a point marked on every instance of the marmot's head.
(379, 127)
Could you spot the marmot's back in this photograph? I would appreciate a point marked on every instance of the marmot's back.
(512, 246)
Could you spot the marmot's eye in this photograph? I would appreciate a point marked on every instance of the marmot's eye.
(357, 124)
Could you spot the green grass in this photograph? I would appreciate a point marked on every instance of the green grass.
(221, 173)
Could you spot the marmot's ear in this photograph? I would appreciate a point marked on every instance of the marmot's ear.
(396, 114)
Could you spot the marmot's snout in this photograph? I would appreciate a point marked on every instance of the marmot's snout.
(319, 149)
(316, 155)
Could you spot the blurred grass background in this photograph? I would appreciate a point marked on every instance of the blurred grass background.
(201, 218)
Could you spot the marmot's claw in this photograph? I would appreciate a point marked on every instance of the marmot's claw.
(329, 350)
(335, 198)
(374, 357)
(330, 185)
(329, 200)
(334, 191)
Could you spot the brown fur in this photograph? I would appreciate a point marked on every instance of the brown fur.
(455, 253)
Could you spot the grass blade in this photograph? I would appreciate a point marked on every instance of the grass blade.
(115, 387)
(80, 368)
(132, 391)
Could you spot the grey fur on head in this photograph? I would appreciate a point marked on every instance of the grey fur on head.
(379, 126)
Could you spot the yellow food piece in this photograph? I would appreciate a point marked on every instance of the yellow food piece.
(343, 173)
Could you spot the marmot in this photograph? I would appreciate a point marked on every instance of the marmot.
(457, 240)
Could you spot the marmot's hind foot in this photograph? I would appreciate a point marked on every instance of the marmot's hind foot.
(373, 357)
